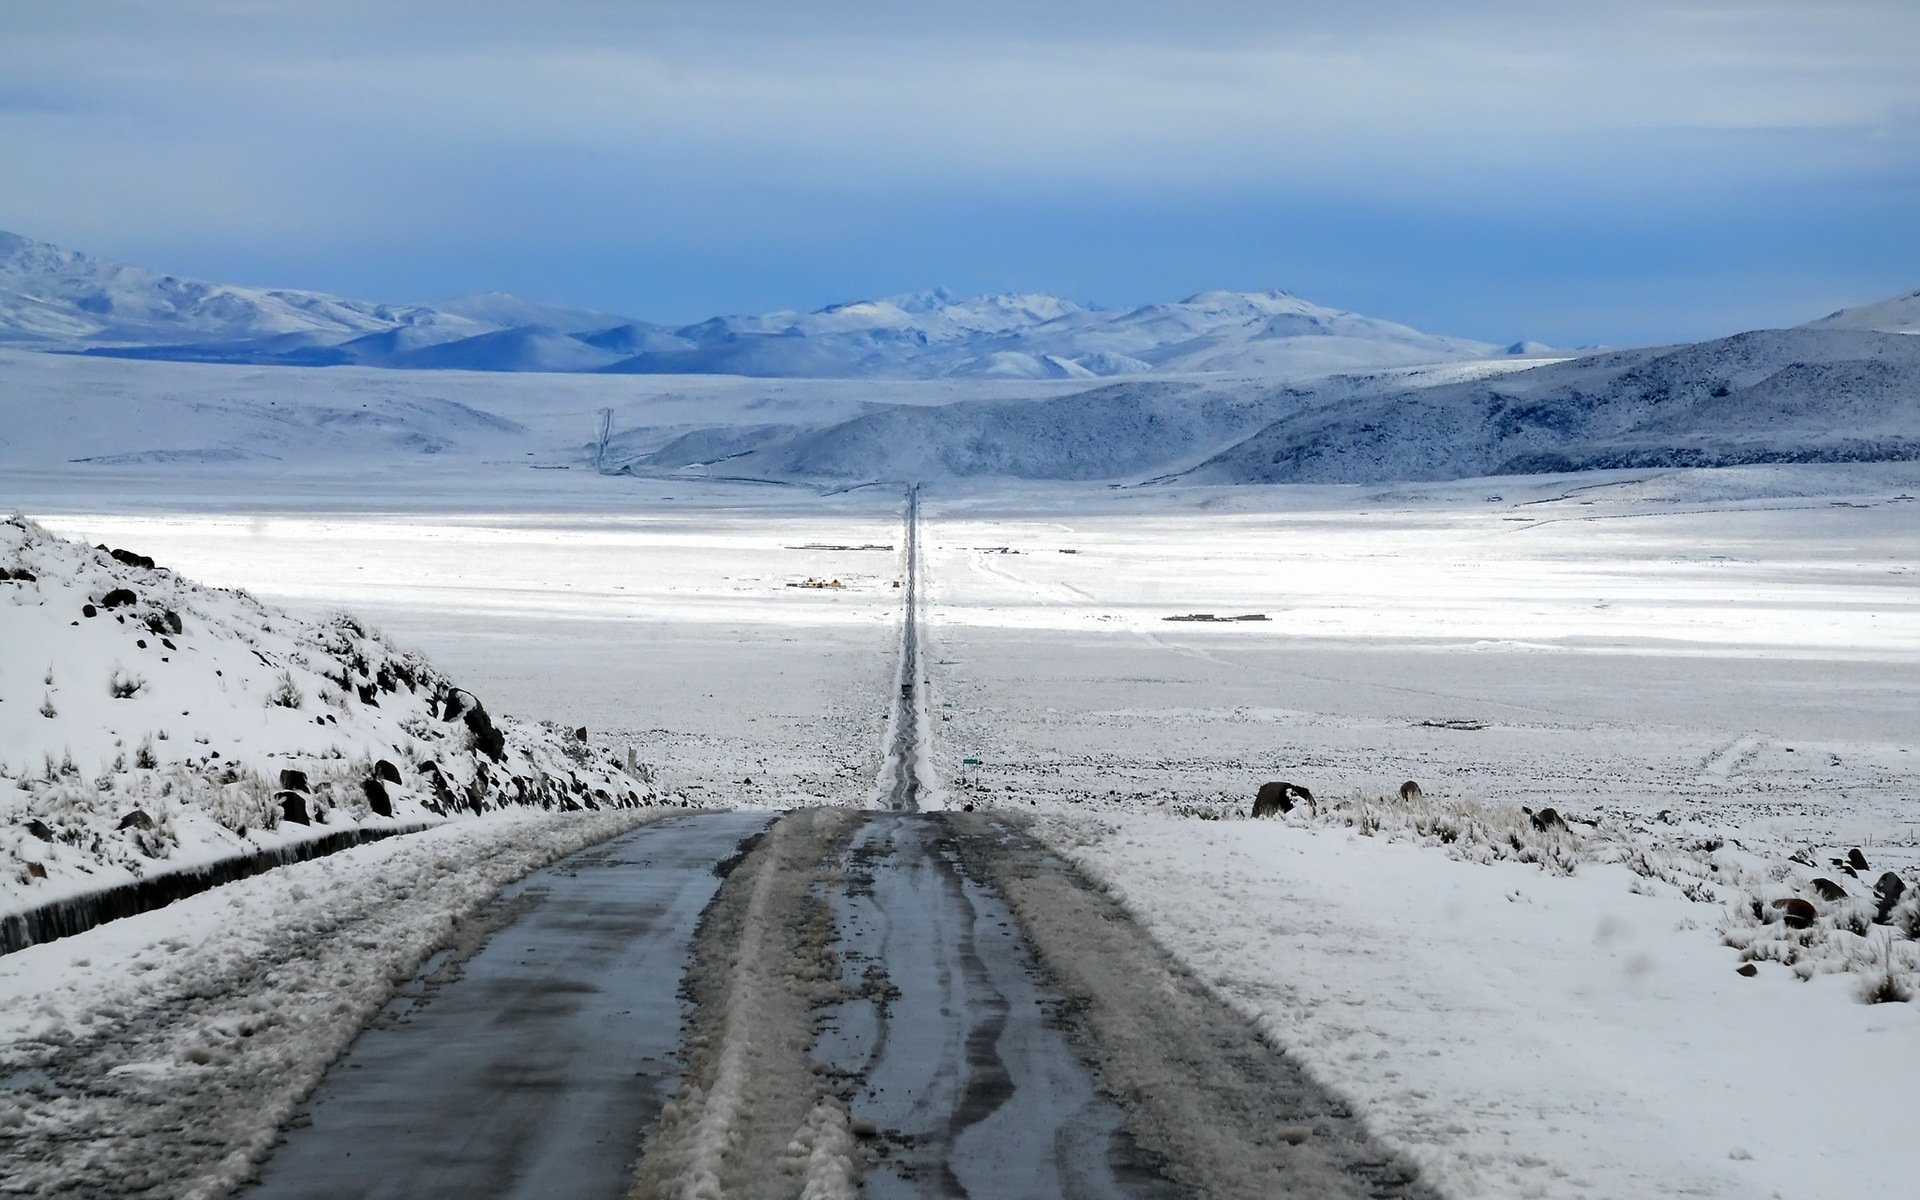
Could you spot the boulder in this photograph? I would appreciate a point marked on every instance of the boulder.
(1747, 969)
(40, 829)
(36, 870)
(131, 559)
(119, 598)
(1410, 791)
(1827, 889)
(377, 798)
(1545, 820)
(1886, 893)
(294, 781)
(1797, 913)
(486, 739)
(293, 808)
(88, 610)
(1856, 860)
(136, 820)
(387, 771)
(1279, 796)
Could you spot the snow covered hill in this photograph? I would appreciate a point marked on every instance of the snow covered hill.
(1896, 314)
(1795, 395)
(57, 299)
(149, 724)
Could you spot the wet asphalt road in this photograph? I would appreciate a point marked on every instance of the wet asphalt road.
(531, 1069)
(950, 1042)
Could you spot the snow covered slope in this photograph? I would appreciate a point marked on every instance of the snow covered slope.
(148, 724)
(1796, 395)
(1896, 314)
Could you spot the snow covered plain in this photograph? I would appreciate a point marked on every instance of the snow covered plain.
(1738, 650)
(1720, 668)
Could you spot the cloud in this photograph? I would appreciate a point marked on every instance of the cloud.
(736, 125)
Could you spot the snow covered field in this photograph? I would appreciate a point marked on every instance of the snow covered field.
(1725, 659)
(1688, 658)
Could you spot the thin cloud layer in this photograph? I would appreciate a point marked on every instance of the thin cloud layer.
(753, 136)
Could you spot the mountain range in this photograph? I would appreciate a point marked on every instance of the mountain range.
(57, 299)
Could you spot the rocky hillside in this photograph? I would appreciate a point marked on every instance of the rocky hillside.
(147, 723)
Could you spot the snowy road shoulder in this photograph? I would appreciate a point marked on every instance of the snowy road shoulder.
(219, 1013)
(1519, 1033)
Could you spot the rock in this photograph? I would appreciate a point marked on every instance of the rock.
(294, 781)
(486, 739)
(293, 807)
(1545, 820)
(174, 623)
(88, 610)
(1886, 893)
(131, 559)
(1747, 969)
(136, 820)
(450, 706)
(119, 598)
(387, 771)
(1827, 889)
(1410, 791)
(36, 870)
(377, 798)
(369, 694)
(1856, 860)
(1279, 796)
(580, 734)
(1797, 913)
(40, 829)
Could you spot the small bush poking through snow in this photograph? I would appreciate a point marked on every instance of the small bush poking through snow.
(124, 687)
(286, 694)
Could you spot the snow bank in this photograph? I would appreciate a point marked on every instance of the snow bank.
(1520, 1033)
(149, 726)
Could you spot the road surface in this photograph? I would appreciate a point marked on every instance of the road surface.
(531, 1068)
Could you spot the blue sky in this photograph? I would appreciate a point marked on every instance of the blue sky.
(1620, 172)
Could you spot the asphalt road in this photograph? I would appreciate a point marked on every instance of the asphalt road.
(531, 1068)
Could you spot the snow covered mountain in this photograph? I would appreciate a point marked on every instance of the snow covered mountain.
(504, 311)
(51, 298)
(1036, 336)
